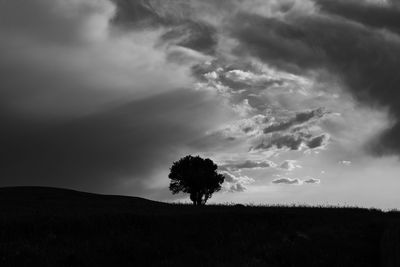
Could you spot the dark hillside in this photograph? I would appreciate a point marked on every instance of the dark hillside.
(58, 227)
(47, 201)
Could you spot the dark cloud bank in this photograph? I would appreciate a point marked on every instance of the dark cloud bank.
(357, 41)
(101, 150)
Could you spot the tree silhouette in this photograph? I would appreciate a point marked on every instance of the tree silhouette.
(196, 176)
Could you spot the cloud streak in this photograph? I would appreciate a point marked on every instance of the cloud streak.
(288, 181)
(248, 164)
(295, 181)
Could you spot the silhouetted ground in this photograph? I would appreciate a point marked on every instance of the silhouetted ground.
(57, 227)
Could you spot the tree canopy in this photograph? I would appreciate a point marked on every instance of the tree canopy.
(195, 176)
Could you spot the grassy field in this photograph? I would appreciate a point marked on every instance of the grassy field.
(57, 227)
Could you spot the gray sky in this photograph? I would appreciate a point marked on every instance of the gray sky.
(297, 101)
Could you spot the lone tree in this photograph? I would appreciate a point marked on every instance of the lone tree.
(196, 176)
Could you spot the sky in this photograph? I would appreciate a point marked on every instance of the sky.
(297, 101)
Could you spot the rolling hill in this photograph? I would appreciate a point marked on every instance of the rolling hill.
(42, 226)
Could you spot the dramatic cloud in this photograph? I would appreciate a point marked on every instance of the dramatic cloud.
(291, 35)
(363, 57)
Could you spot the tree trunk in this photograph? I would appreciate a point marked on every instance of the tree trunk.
(197, 199)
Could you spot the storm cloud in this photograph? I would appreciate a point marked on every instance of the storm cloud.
(338, 40)
(88, 105)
